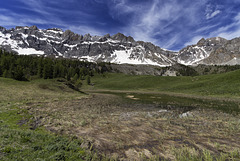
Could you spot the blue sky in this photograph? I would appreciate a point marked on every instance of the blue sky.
(170, 24)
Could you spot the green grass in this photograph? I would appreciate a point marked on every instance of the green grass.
(216, 91)
(190, 154)
(17, 140)
(20, 143)
(226, 84)
(39, 89)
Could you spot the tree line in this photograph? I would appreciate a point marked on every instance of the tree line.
(24, 67)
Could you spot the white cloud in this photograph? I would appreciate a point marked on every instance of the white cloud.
(193, 41)
(229, 31)
(213, 14)
(206, 28)
(226, 32)
(212, 11)
(45, 16)
(36, 6)
(11, 19)
(171, 41)
(81, 29)
(162, 18)
(149, 19)
(119, 8)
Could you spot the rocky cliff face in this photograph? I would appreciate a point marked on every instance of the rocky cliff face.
(212, 51)
(115, 49)
(228, 53)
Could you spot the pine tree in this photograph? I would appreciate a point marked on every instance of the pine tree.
(5, 73)
(56, 71)
(18, 73)
(68, 77)
(75, 78)
(40, 68)
(62, 71)
(88, 80)
(78, 84)
(47, 69)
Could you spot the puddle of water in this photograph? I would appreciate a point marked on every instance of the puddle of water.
(132, 97)
(175, 102)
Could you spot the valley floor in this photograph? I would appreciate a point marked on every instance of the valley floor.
(124, 124)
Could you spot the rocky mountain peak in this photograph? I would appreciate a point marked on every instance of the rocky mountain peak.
(33, 27)
(216, 41)
(215, 50)
(2, 29)
(87, 37)
(68, 34)
(104, 38)
(122, 38)
(201, 42)
(107, 36)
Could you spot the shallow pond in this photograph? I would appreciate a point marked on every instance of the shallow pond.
(180, 102)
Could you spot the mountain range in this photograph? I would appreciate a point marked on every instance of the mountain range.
(118, 48)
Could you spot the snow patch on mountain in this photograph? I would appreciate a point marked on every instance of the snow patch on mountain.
(28, 51)
(5, 39)
(124, 57)
(193, 55)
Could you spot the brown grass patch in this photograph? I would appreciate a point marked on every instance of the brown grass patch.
(131, 130)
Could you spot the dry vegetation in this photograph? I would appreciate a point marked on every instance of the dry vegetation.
(121, 128)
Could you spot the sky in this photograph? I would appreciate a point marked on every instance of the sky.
(170, 24)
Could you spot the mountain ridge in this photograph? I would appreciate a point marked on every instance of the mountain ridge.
(118, 48)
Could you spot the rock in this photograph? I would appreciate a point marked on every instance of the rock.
(33, 27)
(122, 38)
(2, 28)
(107, 36)
(186, 114)
(87, 37)
(201, 42)
(67, 34)
(204, 52)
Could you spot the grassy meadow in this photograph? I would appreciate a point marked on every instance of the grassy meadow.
(21, 136)
(223, 85)
(121, 117)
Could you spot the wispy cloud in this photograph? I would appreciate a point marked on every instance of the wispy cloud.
(170, 24)
(229, 31)
(162, 23)
(45, 16)
(213, 14)
(84, 30)
(212, 11)
(194, 40)
(11, 19)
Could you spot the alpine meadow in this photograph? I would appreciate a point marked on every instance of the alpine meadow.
(119, 80)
